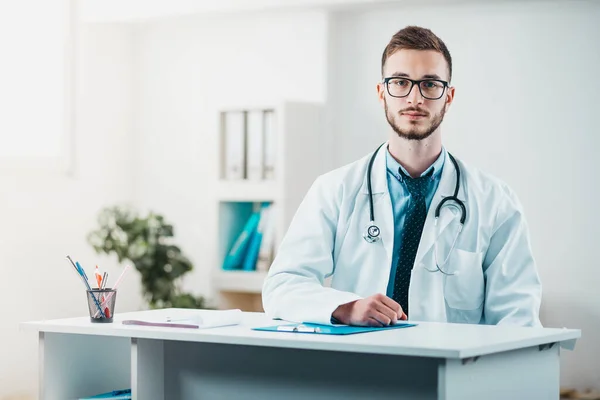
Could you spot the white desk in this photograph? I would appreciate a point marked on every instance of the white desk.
(429, 361)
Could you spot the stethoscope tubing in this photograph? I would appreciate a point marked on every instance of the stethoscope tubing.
(373, 231)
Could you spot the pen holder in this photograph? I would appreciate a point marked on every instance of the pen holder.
(101, 299)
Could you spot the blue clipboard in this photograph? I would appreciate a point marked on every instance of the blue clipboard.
(330, 329)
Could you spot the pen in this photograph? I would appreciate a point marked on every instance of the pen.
(98, 277)
(110, 295)
(73, 264)
(78, 271)
(104, 277)
(102, 298)
(298, 328)
(82, 272)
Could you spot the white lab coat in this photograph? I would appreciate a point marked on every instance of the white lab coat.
(495, 281)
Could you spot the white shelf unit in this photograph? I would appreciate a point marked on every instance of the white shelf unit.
(298, 148)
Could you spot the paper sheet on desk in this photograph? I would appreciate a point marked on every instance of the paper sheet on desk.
(199, 319)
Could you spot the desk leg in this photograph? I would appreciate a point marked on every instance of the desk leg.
(73, 366)
(147, 369)
(528, 373)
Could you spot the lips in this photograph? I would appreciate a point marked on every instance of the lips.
(411, 115)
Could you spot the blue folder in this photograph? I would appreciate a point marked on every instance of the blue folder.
(235, 256)
(123, 394)
(330, 329)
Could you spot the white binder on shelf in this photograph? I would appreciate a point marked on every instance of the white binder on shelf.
(254, 136)
(269, 144)
(234, 145)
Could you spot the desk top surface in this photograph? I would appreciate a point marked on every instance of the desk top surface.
(427, 339)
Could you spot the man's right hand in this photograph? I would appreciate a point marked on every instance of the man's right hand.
(376, 310)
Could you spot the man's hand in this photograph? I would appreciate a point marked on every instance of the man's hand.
(376, 310)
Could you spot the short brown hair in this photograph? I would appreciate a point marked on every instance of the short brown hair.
(416, 38)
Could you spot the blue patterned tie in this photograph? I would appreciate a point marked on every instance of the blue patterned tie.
(411, 235)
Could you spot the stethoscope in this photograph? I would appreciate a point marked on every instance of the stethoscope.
(372, 233)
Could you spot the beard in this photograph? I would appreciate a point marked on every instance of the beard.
(415, 132)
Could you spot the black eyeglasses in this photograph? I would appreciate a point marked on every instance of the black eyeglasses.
(431, 89)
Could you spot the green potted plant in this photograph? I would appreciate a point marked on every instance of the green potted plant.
(146, 242)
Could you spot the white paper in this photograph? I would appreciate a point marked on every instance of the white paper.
(192, 318)
(214, 318)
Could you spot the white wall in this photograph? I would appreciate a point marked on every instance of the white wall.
(46, 215)
(186, 68)
(525, 110)
(148, 99)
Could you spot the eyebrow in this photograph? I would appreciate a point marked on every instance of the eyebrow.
(405, 75)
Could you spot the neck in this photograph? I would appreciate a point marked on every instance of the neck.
(415, 155)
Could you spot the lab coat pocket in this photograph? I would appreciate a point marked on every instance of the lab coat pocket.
(465, 289)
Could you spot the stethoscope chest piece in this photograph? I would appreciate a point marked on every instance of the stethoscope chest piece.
(372, 233)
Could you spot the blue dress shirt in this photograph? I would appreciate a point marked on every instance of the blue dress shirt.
(401, 198)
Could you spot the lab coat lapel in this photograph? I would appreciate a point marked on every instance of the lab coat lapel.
(446, 187)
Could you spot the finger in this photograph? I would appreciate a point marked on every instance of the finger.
(391, 303)
(402, 315)
(382, 318)
(387, 311)
(395, 306)
(373, 322)
(365, 321)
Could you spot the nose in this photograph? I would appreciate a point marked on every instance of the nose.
(414, 96)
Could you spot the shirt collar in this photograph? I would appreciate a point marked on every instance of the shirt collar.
(393, 165)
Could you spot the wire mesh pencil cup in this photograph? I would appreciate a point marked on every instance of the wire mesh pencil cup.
(101, 303)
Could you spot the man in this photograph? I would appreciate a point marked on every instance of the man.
(370, 226)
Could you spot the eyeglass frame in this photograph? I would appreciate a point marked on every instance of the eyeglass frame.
(413, 82)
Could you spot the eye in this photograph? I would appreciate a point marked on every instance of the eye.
(399, 82)
(431, 84)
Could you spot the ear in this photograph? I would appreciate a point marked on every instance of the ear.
(381, 93)
(449, 97)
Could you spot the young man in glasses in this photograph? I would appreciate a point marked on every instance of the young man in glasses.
(408, 231)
